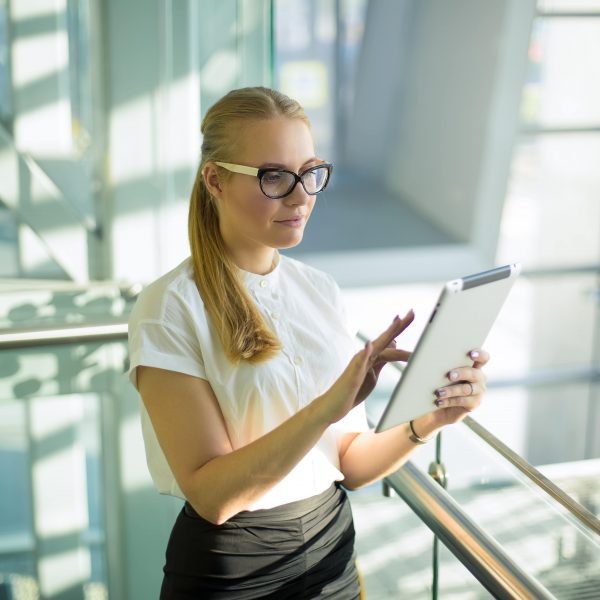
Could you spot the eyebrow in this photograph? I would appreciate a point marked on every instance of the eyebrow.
(270, 165)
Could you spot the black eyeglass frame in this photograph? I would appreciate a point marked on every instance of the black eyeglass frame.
(253, 171)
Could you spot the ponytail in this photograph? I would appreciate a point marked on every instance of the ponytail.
(240, 326)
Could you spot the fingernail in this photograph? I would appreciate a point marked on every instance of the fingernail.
(440, 403)
(441, 393)
(453, 375)
(474, 354)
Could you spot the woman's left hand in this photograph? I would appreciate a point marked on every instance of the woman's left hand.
(464, 393)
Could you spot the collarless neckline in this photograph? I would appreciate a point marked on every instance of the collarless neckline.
(255, 279)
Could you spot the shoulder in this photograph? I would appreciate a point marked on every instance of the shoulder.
(170, 299)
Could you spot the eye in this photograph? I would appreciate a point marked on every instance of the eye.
(272, 177)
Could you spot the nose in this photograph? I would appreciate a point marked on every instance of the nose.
(298, 196)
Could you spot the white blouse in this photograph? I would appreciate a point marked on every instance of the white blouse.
(170, 329)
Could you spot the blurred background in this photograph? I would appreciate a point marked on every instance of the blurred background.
(465, 135)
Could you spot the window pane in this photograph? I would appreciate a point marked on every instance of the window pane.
(539, 328)
(563, 86)
(552, 213)
(543, 424)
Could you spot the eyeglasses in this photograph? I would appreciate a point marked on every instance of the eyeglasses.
(278, 183)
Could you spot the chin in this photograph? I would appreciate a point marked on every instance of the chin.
(290, 243)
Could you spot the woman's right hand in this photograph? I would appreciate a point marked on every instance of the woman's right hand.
(360, 376)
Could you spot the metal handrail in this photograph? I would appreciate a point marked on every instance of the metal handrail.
(13, 339)
(481, 555)
(130, 290)
(579, 511)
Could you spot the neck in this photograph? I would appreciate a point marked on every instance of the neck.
(260, 263)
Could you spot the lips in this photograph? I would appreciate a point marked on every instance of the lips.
(295, 222)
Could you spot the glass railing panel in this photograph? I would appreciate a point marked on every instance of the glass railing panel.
(455, 581)
(79, 517)
(56, 473)
(67, 487)
(537, 532)
(534, 529)
(579, 479)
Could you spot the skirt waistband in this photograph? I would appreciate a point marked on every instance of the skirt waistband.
(285, 512)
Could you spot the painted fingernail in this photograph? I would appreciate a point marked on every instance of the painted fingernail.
(453, 375)
(474, 354)
(441, 393)
(440, 403)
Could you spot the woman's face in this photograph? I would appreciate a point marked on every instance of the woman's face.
(250, 221)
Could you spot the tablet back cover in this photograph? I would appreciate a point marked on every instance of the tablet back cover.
(459, 323)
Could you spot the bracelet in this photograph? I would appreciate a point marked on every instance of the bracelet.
(414, 437)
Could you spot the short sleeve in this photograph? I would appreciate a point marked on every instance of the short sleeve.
(156, 344)
(163, 329)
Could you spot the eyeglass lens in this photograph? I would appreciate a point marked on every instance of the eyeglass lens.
(277, 184)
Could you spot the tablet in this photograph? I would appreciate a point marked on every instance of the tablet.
(460, 322)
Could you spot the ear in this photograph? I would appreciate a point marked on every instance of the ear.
(211, 179)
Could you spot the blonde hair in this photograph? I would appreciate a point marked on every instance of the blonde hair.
(240, 326)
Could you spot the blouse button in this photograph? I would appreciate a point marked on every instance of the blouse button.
(263, 283)
(275, 315)
(298, 360)
(275, 295)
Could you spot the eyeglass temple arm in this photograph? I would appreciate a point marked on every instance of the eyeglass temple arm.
(238, 168)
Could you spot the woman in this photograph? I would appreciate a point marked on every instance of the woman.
(252, 390)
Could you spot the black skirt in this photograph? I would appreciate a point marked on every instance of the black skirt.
(300, 550)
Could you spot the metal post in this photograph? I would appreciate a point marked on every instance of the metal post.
(437, 470)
